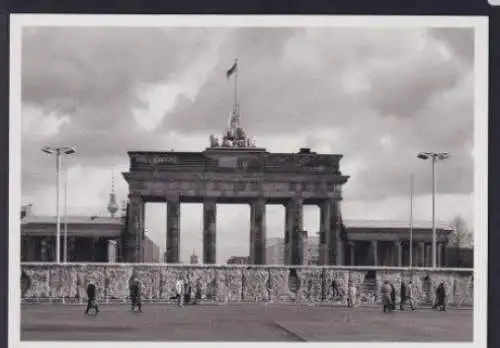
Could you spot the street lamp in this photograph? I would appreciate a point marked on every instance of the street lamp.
(58, 151)
(434, 157)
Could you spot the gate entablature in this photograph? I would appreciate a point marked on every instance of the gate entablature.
(232, 174)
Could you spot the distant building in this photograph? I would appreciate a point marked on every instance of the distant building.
(152, 252)
(275, 251)
(238, 260)
(90, 238)
(193, 259)
(376, 242)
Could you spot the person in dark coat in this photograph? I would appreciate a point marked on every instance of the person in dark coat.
(402, 295)
(187, 293)
(335, 290)
(198, 295)
(393, 297)
(135, 296)
(91, 299)
(440, 297)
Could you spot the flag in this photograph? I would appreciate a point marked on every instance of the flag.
(232, 70)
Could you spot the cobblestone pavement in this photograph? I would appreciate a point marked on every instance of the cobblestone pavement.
(243, 322)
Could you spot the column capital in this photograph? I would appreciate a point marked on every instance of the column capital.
(134, 198)
(173, 198)
(209, 200)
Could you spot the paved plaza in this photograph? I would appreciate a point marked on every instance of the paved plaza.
(243, 322)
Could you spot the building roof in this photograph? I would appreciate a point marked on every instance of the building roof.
(393, 224)
(73, 220)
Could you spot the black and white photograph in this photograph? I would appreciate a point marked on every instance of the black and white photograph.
(248, 179)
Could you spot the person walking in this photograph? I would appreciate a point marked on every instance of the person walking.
(440, 297)
(135, 296)
(91, 299)
(411, 295)
(351, 295)
(402, 295)
(179, 289)
(393, 297)
(386, 296)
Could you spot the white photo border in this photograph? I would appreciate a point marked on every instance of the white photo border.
(480, 25)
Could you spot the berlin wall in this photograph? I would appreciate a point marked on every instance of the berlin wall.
(238, 283)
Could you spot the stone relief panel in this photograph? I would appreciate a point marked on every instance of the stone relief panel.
(118, 288)
(42, 282)
(311, 284)
(280, 290)
(256, 286)
(229, 284)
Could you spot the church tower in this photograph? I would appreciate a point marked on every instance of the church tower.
(112, 205)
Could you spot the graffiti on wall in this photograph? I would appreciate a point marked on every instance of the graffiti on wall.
(236, 283)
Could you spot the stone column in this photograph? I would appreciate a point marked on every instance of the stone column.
(428, 255)
(375, 252)
(352, 247)
(295, 230)
(439, 256)
(134, 242)
(421, 247)
(334, 254)
(32, 248)
(324, 231)
(173, 229)
(288, 240)
(111, 250)
(209, 231)
(71, 248)
(258, 232)
(399, 248)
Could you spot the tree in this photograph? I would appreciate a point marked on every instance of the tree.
(460, 237)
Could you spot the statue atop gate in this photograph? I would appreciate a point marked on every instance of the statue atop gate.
(234, 136)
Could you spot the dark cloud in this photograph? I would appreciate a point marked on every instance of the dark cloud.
(405, 95)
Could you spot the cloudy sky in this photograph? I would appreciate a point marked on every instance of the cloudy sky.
(378, 96)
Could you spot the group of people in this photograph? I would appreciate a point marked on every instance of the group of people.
(407, 296)
(182, 296)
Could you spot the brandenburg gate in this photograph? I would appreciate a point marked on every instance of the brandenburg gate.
(236, 172)
(230, 172)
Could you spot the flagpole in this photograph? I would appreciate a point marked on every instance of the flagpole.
(236, 106)
(411, 219)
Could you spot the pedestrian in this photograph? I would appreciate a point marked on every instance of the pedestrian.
(411, 295)
(179, 288)
(135, 296)
(386, 296)
(197, 296)
(393, 297)
(440, 297)
(187, 293)
(402, 295)
(91, 299)
(335, 290)
(351, 294)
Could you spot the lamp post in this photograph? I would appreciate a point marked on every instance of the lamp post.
(411, 220)
(65, 255)
(434, 157)
(58, 151)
